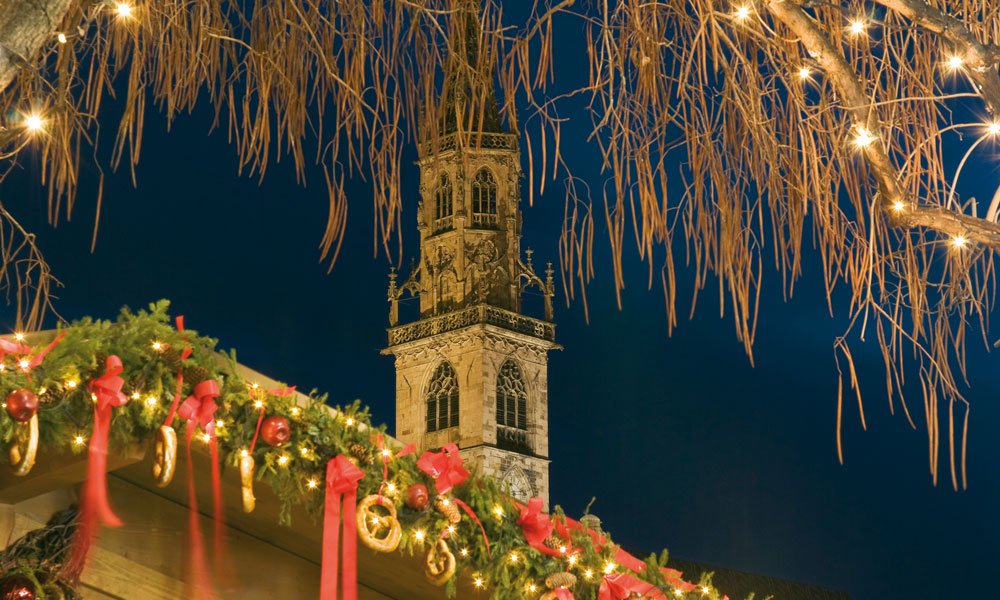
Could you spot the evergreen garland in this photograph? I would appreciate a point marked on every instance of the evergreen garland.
(149, 348)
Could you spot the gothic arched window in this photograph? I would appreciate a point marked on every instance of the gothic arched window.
(442, 399)
(484, 199)
(512, 408)
(443, 204)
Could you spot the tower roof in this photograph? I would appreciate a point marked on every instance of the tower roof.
(468, 97)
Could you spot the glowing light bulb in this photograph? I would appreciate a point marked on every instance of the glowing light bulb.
(123, 9)
(419, 535)
(304, 452)
(349, 422)
(478, 582)
(805, 72)
(24, 363)
(678, 592)
(206, 438)
(742, 13)
(864, 138)
(858, 27)
(312, 484)
(136, 395)
(562, 549)
(390, 488)
(451, 530)
(464, 551)
(993, 128)
(898, 206)
(220, 424)
(295, 411)
(33, 123)
(532, 588)
(498, 511)
(61, 37)
(19, 336)
(78, 440)
(258, 404)
(588, 574)
(41, 391)
(244, 453)
(955, 62)
(513, 557)
(704, 589)
(572, 559)
(157, 346)
(283, 460)
(959, 241)
(254, 385)
(386, 453)
(609, 567)
(71, 384)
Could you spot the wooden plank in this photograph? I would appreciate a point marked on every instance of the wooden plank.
(57, 471)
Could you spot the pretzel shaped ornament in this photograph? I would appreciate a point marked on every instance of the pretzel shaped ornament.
(379, 531)
(439, 565)
(246, 482)
(165, 455)
(22, 452)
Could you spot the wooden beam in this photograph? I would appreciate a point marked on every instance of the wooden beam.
(58, 471)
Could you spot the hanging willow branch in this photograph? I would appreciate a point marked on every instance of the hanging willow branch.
(731, 135)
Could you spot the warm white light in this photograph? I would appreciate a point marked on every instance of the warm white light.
(532, 588)
(678, 592)
(464, 551)
(124, 9)
(136, 395)
(295, 411)
(955, 62)
(41, 391)
(498, 511)
(24, 363)
(244, 453)
(588, 574)
(959, 241)
(151, 401)
(349, 422)
(993, 128)
(71, 384)
(562, 549)
(390, 488)
(283, 460)
(255, 385)
(451, 530)
(258, 404)
(19, 336)
(386, 452)
(857, 26)
(312, 484)
(742, 13)
(704, 589)
(609, 567)
(304, 451)
(864, 138)
(33, 123)
(419, 535)
(805, 72)
(206, 438)
(513, 557)
(478, 582)
(62, 38)
(572, 559)
(93, 397)
(78, 440)
(898, 206)
(220, 424)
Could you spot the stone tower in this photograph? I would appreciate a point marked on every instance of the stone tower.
(472, 368)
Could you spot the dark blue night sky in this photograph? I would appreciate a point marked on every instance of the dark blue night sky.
(684, 445)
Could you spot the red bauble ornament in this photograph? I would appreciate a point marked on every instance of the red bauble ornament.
(22, 404)
(416, 496)
(276, 430)
(16, 588)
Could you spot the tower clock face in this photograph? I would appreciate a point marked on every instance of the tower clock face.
(517, 484)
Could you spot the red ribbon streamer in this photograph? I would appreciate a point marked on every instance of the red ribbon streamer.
(537, 526)
(387, 457)
(185, 353)
(106, 391)
(619, 586)
(199, 410)
(38, 358)
(342, 478)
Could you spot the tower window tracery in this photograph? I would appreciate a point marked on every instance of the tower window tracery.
(443, 204)
(442, 398)
(512, 408)
(484, 199)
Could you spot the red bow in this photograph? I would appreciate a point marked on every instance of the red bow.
(342, 478)
(537, 526)
(200, 406)
(106, 391)
(9, 347)
(619, 586)
(673, 577)
(445, 467)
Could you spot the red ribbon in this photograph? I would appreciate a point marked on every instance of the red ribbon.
(9, 347)
(199, 410)
(445, 467)
(387, 456)
(537, 526)
(619, 586)
(185, 353)
(38, 358)
(341, 486)
(106, 391)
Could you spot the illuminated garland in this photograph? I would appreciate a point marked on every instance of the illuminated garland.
(527, 550)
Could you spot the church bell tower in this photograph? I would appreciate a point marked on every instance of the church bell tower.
(472, 368)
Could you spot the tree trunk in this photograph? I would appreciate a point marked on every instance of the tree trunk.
(26, 26)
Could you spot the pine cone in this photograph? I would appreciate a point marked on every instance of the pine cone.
(171, 358)
(448, 508)
(554, 542)
(362, 453)
(558, 580)
(195, 374)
